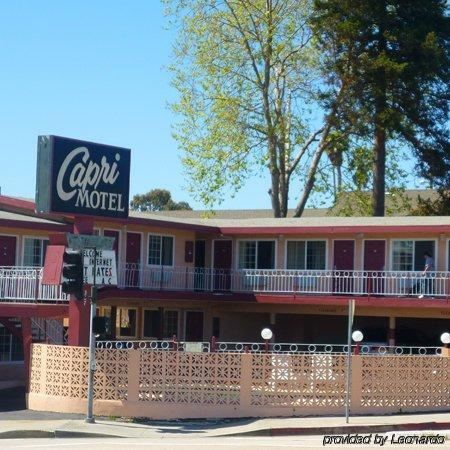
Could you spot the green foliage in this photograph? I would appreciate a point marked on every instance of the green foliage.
(247, 77)
(433, 207)
(355, 197)
(394, 55)
(156, 200)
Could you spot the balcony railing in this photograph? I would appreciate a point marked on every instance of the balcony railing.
(23, 284)
(349, 282)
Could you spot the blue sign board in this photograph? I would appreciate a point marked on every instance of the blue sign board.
(79, 177)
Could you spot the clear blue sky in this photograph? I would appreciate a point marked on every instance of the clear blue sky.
(92, 70)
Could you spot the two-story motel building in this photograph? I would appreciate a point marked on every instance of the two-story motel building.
(201, 277)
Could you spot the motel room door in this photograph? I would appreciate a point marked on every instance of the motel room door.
(7, 250)
(374, 264)
(199, 264)
(133, 259)
(343, 263)
(222, 264)
(194, 326)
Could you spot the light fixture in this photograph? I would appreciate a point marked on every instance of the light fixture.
(266, 334)
(357, 336)
(445, 338)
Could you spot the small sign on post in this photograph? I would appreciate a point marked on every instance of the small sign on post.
(100, 267)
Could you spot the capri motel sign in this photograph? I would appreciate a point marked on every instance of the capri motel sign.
(79, 177)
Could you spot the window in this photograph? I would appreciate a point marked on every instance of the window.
(160, 250)
(34, 251)
(256, 254)
(407, 255)
(309, 255)
(216, 327)
(152, 323)
(126, 322)
(170, 324)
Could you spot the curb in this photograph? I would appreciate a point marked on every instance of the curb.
(37, 434)
(345, 429)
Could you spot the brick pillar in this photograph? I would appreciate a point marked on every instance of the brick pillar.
(79, 311)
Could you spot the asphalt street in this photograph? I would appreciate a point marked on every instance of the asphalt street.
(187, 443)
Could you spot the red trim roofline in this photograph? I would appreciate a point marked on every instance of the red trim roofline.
(336, 229)
(8, 223)
(17, 203)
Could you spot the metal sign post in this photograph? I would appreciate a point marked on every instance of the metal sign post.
(91, 373)
(351, 313)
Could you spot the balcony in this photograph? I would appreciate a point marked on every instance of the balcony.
(23, 284)
(280, 281)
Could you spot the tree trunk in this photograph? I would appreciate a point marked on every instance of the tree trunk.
(339, 178)
(379, 150)
(379, 171)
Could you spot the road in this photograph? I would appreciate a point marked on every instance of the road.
(188, 443)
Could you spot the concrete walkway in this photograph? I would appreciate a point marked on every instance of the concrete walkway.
(69, 427)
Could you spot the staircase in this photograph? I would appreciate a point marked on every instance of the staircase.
(51, 331)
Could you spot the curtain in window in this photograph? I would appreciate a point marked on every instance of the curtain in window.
(247, 254)
(266, 255)
(315, 256)
(167, 251)
(296, 255)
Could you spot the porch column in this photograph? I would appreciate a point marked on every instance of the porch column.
(27, 339)
(391, 332)
(273, 326)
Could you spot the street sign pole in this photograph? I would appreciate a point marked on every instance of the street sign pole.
(90, 393)
(351, 313)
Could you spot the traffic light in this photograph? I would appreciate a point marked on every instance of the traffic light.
(72, 273)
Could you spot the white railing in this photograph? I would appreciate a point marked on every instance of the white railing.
(271, 347)
(351, 282)
(24, 284)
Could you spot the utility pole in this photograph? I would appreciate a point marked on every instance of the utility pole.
(90, 393)
(351, 313)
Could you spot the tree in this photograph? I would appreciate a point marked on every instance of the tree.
(156, 200)
(395, 56)
(248, 80)
(433, 207)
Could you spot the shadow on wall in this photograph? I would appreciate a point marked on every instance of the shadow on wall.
(12, 374)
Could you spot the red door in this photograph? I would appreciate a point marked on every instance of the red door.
(7, 250)
(194, 326)
(222, 265)
(374, 263)
(344, 255)
(133, 259)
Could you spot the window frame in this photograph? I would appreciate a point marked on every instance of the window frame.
(391, 252)
(161, 235)
(136, 328)
(155, 338)
(275, 252)
(306, 252)
(40, 238)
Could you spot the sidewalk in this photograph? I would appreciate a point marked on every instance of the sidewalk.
(10, 429)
